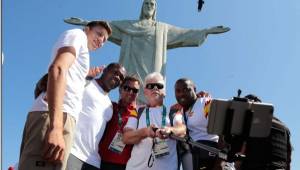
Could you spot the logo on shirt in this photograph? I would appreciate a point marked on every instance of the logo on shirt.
(206, 108)
(133, 113)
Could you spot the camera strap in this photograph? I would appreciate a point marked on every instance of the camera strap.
(120, 119)
(151, 157)
(164, 115)
(163, 124)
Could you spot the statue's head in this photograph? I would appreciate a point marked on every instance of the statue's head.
(148, 10)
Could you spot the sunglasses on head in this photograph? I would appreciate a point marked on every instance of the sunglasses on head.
(128, 89)
(153, 85)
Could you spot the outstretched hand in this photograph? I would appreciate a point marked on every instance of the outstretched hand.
(76, 21)
(95, 71)
(203, 94)
(217, 30)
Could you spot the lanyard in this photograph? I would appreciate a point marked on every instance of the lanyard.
(185, 117)
(163, 123)
(164, 115)
(120, 120)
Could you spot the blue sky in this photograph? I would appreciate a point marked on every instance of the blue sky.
(259, 55)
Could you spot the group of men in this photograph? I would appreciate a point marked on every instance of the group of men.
(74, 125)
(65, 126)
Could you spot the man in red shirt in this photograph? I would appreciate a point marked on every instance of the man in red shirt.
(113, 152)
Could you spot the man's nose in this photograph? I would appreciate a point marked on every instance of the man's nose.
(100, 39)
(155, 88)
(131, 91)
(101, 43)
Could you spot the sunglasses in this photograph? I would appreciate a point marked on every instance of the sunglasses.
(151, 86)
(128, 89)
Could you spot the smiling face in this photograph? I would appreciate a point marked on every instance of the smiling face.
(129, 91)
(149, 7)
(185, 93)
(96, 36)
(112, 77)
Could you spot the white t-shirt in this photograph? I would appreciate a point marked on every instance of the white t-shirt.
(97, 110)
(141, 152)
(75, 75)
(40, 104)
(197, 122)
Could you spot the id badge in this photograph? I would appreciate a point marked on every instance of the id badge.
(160, 148)
(117, 144)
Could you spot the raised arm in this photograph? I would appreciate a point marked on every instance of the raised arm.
(76, 21)
(217, 30)
(181, 37)
(131, 136)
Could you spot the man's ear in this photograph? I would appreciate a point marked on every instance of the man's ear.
(87, 28)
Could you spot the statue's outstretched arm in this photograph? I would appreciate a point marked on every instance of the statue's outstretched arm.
(217, 30)
(76, 21)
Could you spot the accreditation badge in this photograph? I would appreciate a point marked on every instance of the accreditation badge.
(160, 148)
(117, 144)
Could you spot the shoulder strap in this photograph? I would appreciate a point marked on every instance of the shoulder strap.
(140, 111)
(172, 115)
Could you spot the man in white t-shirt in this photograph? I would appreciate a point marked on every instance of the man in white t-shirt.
(195, 112)
(96, 112)
(48, 131)
(152, 150)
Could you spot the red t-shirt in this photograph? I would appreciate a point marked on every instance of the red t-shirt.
(112, 128)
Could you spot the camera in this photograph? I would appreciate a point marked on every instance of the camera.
(240, 117)
(235, 120)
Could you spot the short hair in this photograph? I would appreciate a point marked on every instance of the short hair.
(155, 75)
(113, 65)
(253, 98)
(182, 80)
(130, 78)
(41, 86)
(104, 24)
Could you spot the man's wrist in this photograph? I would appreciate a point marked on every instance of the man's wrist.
(144, 133)
(57, 128)
(57, 125)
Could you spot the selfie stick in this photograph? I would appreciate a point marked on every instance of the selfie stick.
(220, 153)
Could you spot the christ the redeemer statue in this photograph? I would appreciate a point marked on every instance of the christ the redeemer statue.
(144, 42)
